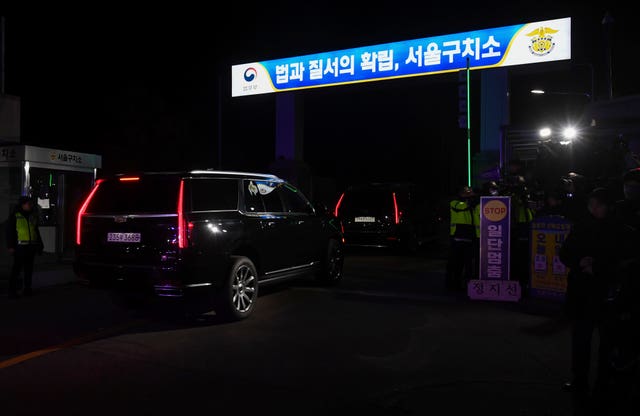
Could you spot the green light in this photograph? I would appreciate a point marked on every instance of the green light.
(50, 179)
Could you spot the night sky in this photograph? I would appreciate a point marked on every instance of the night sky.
(144, 89)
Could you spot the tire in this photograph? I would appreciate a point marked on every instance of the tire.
(332, 263)
(237, 297)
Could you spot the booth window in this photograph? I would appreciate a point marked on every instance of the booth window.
(44, 190)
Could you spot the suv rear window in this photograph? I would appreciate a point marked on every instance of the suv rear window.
(139, 195)
(373, 201)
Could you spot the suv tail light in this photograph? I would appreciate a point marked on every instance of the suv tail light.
(395, 209)
(335, 211)
(82, 210)
(182, 226)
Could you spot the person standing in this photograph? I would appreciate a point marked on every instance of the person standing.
(521, 217)
(576, 187)
(592, 253)
(462, 237)
(553, 205)
(624, 307)
(24, 242)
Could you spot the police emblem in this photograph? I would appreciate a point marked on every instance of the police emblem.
(542, 42)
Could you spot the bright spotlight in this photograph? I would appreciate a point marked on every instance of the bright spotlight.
(545, 132)
(537, 91)
(569, 133)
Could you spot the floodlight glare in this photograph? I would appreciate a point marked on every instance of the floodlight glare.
(545, 132)
(569, 133)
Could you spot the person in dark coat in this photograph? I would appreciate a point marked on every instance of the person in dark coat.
(24, 242)
(592, 253)
(623, 310)
(575, 198)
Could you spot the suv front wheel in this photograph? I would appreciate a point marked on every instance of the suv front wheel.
(237, 297)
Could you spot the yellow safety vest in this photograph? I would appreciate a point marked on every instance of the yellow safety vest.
(461, 216)
(26, 228)
(524, 214)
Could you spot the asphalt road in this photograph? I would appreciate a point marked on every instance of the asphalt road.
(387, 341)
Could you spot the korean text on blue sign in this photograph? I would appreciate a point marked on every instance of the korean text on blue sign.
(504, 46)
(495, 235)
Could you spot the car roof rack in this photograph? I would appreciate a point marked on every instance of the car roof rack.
(211, 172)
(233, 173)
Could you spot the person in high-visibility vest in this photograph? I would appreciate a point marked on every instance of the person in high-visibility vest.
(462, 236)
(24, 242)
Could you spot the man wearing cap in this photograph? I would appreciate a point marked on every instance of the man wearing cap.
(23, 242)
(460, 267)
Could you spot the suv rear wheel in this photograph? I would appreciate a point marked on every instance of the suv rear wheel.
(332, 263)
(236, 299)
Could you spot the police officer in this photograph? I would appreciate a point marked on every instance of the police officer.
(23, 242)
(521, 217)
(462, 233)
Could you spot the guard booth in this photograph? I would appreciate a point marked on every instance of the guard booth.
(57, 180)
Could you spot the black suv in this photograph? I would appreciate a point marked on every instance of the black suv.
(387, 215)
(226, 233)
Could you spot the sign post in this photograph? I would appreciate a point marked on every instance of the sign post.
(494, 256)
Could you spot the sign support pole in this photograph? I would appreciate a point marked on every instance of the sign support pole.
(468, 124)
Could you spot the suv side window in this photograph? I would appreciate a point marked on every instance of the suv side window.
(261, 196)
(294, 201)
(270, 196)
(252, 199)
(214, 194)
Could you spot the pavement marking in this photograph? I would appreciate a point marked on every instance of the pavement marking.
(73, 342)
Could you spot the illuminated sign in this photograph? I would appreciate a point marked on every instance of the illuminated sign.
(495, 237)
(527, 43)
(495, 253)
(548, 273)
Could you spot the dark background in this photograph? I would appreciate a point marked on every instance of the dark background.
(145, 88)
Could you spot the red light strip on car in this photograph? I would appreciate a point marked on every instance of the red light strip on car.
(82, 210)
(182, 230)
(395, 209)
(129, 178)
(335, 211)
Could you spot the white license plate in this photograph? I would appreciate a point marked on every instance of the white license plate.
(123, 237)
(365, 219)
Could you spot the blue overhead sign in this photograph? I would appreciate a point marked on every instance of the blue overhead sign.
(504, 46)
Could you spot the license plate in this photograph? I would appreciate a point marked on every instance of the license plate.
(365, 219)
(123, 237)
